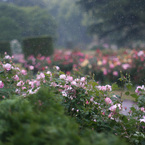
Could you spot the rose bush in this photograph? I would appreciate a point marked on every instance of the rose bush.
(92, 105)
(106, 67)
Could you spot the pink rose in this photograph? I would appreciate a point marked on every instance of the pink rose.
(105, 71)
(23, 72)
(31, 67)
(57, 67)
(125, 66)
(108, 100)
(115, 73)
(1, 84)
(111, 65)
(142, 109)
(15, 77)
(20, 83)
(73, 83)
(83, 79)
(113, 108)
(7, 66)
(69, 78)
(62, 76)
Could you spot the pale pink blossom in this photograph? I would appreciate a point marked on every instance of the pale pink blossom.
(69, 78)
(139, 88)
(73, 83)
(7, 66)
(31, 67)
(49, 73)
(83, 79)
(108, 100)
(108, 88)
(63, 76)
(111, 65)
(15, 77)
(142, 120)
(105, 71)
(20, 83)
(57, 67)
(40, 76)
(1, 84)
(125, 66)
(24, 88)
(115, 73)
(110, 115)
(142, 109)
(92, 99)
(140, 53)
(114, 107)
(23, 72)
(17, 91)
(7, 57)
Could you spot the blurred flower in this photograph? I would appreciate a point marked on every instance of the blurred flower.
(125, 66)
(7, 66)
(114, 107)
(142, 120)
(7, 57)
(62, 76)
(20, 83)
(31, 67)
(15, 77)
(57, 67)
(23, 72)
(84, 63)
(1, 84)
(108, 100)
(115, 73)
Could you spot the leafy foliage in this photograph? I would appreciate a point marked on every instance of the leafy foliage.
(26, 121)
(5, 47)
(19, 22)
(38, 45)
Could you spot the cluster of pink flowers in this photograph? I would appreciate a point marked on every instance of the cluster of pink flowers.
(104, 88)
(66, 84)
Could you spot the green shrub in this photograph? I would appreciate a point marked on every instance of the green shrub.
(5, 47)
(38, 45)
(40, 120)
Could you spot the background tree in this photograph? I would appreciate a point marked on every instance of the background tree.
(25, 3)
(40, 22)
(13, 22)
(69, 21)
(19, 22)
(117, 21)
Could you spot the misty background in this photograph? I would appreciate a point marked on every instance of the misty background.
(75, 23)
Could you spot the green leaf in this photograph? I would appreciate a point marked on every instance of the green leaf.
(114, 87)
(127, 93)
(134, 96)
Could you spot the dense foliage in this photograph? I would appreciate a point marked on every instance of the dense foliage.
(38, 45)
(42, 114)
(5, 47)
(19, 22)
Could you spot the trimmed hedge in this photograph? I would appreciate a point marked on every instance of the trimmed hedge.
(5, 47)
(38, 45)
